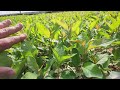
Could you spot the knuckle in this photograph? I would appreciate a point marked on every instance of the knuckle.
(5, 30)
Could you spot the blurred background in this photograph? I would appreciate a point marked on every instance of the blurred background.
(20, 12)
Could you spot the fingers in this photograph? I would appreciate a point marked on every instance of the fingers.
(8, 42)
(6, 73)
(17, 39)
(10, 30)
(5, 23)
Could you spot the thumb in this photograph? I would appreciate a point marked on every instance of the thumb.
(6, 73)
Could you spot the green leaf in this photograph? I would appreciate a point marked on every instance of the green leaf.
(67, 48)
(98, 41)
(92, 70)
(60, 50)
(49, 77)
(43, 30)
(63, 58)
(28, 47)
(55, 31)
(56, 35)
(106, 44)
(103, 60)
(56, 54)
(114, 75)
(5, 60)
(84, 37)
(68, 75)
(118, 35)
(106, 64)
(75, 27)
(75, 59)
(59, 55)
(32, 64)
(116, 43)
(81, 49)
(92, 25)
(114, 24)
(48, 66)
(106, 35)
(116, 53)
(18, 67)
(64, 25)
(40, 61)
(29, 75)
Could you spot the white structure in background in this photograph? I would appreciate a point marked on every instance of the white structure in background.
(19, 12)
(8, 12)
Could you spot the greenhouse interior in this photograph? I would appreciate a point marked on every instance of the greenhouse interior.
(59, 44)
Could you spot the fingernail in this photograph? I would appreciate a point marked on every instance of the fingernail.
(9, 21)
(23, 35)
(19, 25)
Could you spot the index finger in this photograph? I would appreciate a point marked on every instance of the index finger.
(10, 30)
(8, 42)
(5, 23)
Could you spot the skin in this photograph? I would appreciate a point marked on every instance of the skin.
(7, 42)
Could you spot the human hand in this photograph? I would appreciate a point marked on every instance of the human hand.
(7, 42)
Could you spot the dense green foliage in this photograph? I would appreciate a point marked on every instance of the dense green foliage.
(66, 45)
